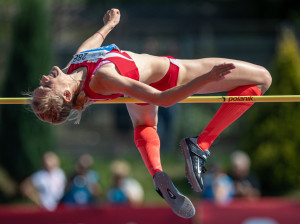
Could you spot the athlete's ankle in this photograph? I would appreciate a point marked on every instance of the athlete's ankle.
(155, 170)
(203, 141)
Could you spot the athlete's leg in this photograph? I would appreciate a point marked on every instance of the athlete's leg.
(245, 80)
(226, 115)
(144, 119)
(243, 75)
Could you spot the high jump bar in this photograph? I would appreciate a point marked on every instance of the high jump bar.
(191, 99)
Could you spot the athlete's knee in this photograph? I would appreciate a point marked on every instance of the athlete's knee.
(150, 123)
(142, 128)
(146, 135)
(266, 79)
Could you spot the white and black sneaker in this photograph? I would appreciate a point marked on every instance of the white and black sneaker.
(180, 204)
(195, 159)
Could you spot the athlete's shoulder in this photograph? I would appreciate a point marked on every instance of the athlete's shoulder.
(93, 55)
(106, 49)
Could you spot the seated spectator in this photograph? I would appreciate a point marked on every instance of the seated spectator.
(125, 190)
(46, 186)
(246, 183)
(83, 187)
(219, 186)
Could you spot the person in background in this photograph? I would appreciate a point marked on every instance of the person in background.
(219, 186)
(46, 186)
(83, 188)
(246, 183)
(125, 190)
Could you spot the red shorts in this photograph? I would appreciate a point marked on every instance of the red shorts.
(170, 79)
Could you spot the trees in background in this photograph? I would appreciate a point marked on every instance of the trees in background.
(23, 137)
(273, 136)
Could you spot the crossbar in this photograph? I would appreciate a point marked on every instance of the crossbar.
(191, 99)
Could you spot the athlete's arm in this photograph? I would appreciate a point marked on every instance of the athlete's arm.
(110, 19)
(115, 83)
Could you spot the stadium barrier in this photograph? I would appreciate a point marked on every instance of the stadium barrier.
(262, 211)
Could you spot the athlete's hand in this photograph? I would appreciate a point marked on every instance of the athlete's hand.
(219, 72)
(112, 17)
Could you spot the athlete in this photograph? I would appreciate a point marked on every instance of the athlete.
(102, 73)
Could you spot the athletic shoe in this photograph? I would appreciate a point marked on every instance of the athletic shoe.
(181, 205)
(195, 159)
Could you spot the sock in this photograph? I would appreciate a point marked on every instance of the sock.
(148, 144)
(226, 115)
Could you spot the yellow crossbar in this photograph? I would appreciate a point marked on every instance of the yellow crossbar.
(191, 99)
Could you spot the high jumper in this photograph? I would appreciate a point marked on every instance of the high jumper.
(103, 73)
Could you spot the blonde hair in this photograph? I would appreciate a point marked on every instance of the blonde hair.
(51, 107)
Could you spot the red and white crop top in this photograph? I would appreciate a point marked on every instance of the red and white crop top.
(95, 58)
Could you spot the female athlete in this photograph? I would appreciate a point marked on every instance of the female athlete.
(102, 73)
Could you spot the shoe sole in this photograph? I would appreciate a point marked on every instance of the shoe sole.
(181, 205)
(188, 166)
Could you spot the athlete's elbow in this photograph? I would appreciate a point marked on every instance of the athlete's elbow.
(166, 104)
(163, 99)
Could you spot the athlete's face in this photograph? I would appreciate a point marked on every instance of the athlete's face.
(54, 91)
(56, 80)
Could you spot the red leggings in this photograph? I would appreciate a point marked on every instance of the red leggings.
(148, 144)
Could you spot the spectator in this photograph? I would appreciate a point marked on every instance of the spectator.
(125, 189)
(219, 186)
(83, 187)
(45, 187)
(246, 183)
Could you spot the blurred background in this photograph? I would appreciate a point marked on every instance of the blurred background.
(264, 143)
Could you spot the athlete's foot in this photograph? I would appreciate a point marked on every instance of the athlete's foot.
(181, 205)
(195, 159)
